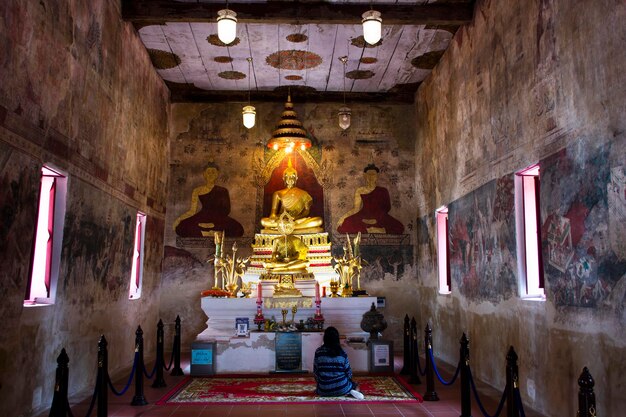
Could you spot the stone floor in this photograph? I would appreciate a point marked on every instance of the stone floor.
(448, 406)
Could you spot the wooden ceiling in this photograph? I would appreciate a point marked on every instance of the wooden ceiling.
(295, 45)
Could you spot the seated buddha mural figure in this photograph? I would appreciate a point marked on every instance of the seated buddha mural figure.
(209, 210)
(370, 213)
(294, 201)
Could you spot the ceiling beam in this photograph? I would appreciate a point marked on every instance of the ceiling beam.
(191, 95)
(145, 12)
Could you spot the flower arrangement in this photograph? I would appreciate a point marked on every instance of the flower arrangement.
(215, 292)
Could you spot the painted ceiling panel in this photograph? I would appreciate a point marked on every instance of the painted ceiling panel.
(190, 57)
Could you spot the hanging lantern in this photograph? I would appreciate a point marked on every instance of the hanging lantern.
(249, 116)
(372, 26)
(226, 25)
(345, 117)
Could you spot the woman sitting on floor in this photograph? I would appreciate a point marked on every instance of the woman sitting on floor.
(331, 368)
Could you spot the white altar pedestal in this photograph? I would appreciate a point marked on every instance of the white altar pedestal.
(256, 353)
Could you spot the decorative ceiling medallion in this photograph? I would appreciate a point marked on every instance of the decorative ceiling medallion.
(293, 77)
(368, 60)
(295, 89)
(359, 42)
(232, 75)
(450, 28)
(297, 37)
(162, 59)
(293, 60)
(428, 60)
(214, 40)
(223, 59)
(359, 74)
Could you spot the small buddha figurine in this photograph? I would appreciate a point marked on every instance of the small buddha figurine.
(289, 254)
(294, 201)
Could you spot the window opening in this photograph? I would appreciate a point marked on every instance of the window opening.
(528, 225)
(46, 254)
(443, 255)
(136, 274)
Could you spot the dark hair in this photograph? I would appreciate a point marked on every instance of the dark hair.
(331, 341)
(370, 167)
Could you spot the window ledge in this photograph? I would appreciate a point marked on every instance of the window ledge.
(535, 298)
(30, 304)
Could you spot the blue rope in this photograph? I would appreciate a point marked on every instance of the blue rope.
(167, 368)
(93, 401)
(456, 374)
(153, 370)
(480, 405)
(518, 398)
(132, 373)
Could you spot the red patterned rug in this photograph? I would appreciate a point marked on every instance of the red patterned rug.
(238, 389)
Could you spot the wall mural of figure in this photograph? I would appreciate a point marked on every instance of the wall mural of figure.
(209, 210)
(370, 213)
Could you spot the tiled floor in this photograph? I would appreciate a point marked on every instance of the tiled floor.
(448, 406)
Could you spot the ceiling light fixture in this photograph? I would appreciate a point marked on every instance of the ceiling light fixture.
(249, 112)
(345, 115)
(226, 25)
(372, 26)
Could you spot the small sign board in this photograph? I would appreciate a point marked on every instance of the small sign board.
(202, 358)
(381, 355)
(288, 348)
(242, 326)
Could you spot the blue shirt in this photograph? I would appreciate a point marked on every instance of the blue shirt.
(332, 373)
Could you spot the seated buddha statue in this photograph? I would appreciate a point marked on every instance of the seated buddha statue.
(289, 255)
(294, 201)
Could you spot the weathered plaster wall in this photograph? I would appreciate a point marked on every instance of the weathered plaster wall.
(77, 90)
(214, 134)
(532, 81)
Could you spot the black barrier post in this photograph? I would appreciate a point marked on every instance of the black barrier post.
(406, 367)
(466, 405)
(511, 383)
(159, 382)
(415, 379)
(431, 394)
(60, 404)
(177, 369)
(102, 379)
(139, 398)
(586, 396)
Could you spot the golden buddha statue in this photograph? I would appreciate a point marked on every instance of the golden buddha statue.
(294, 201)
(289, 254)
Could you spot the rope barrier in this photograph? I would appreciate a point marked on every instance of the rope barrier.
(149, 376)
(167, 368)
(91, 404)
(480, 405)
(132, 374)
(456, 373)
(518, 398)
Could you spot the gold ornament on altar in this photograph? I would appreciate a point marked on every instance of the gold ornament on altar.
(334, 288)
(348, 268)
(229, 268)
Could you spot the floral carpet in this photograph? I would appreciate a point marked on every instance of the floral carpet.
(237, 389)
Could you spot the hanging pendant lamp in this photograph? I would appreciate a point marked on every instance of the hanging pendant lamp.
(249, 112)
(344, 114)
(372, 26)
(226, 25)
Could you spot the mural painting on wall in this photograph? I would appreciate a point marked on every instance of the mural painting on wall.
(482, 242)
(209, 210)
(586, 257)
(384, 246)
(98, 242)
(370, 213)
